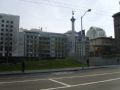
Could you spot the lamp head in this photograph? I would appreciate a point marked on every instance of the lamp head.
(89, 10)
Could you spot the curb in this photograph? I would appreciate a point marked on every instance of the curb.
(51, 70)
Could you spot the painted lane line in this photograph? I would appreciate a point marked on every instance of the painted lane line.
(33, 80)
(88, 75)
(59, 82)
(90, 83)
(22, 81)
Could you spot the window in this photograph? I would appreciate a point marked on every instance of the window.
(27, 36)
(35, 37)
(11, 26)
(1, 42)
(1, 48)
(2, 29)
(2, 25)
(7, 21)
(6, 29)
(10, 54)
(1, 33)
(10, 39)
(11, 30)
(1, 38)
(6, 48)
(11, 22)
(10, 48)
(31, 37)
(11, 34)
(6, 38)
(10, 43)
(2, 21)
(0, 54)
(6, 25)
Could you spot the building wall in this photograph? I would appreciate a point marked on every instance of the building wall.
(21, 47)
(102, 46)
(9, 27)
(31, 44)
(117, 31)
(42, 44)
(58, 45)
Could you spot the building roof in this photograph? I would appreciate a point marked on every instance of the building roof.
(116, 14)
(9, 14)
(103, 38)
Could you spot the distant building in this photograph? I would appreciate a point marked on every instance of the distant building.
(95, 32)
(102, 46)
(42, 44)
(117, 31)
(9, 28)
(81, 43)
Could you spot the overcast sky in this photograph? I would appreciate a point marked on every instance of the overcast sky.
(54, 15)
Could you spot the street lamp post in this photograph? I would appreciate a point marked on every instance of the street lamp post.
(82, 44)
(89, 10)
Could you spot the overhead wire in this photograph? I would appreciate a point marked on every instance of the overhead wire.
(67, 6)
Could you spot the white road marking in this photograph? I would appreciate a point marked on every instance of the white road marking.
(61, 73)
(59, 82)
(90, 83)
(88, 75)
(22, 81)
(33, 80)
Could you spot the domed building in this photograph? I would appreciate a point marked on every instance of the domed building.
(95, 32)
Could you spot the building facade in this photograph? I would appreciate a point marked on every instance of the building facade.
(9, 28)
(102, 46)
(95, 32)
(42, 44)
(81, 43)
(116, 18)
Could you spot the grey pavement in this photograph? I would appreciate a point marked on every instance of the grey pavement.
(89, 79)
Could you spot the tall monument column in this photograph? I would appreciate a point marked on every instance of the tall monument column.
(73, 34)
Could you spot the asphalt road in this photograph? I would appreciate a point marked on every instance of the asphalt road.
(92, 79)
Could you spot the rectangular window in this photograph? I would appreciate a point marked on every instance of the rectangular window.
(1, 42)
(6, 29)
(2, 25)
(7, 21)
(1, 38)
(2, 29)
(3, 21)
(6, 25)
(11, 22)
(11, 34)
(11, 30)
(11, 26)
(1, 48)
(1, 33)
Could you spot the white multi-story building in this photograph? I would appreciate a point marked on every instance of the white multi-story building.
(34, 43)
(9, 27)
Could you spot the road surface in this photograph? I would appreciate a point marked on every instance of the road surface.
(92, 79)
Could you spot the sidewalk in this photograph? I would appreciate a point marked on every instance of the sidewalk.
(54, 70)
